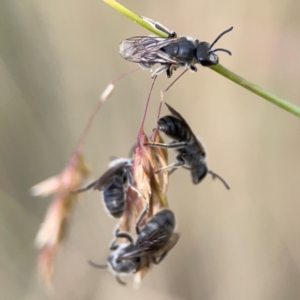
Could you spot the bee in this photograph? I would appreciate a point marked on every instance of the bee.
(114, 184)
(171, 52)
(192, 154)
(154, 240)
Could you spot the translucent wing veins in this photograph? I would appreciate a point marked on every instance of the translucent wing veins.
(147, 49)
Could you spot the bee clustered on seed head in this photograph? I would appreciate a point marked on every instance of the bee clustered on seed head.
(134, 190)
(145, 195)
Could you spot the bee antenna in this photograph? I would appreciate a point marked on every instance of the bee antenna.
(91, 263)
(214, 175)
(220, 35)
(86, 188)
(220, 49)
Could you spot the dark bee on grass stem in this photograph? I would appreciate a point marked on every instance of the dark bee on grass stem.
(192, 155)
(171, 52)
(114, 184)
(153, 243)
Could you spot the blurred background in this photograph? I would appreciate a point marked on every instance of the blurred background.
(55, 59)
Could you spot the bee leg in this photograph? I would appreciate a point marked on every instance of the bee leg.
(137, 191)
(131, 184)
(118, 234)
(91, 263)
(170, 33)
(193, 69)
(86, 188)
(159, 71)
(187, 168)
(120, 280)
(141, 218)
(146, 66)
(169, 71)
(113, 244)
(172, 166)
(126, 236)
(160, 27)
(171, 145)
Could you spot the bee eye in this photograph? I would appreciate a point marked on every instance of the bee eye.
(199, 173)
(202, 53)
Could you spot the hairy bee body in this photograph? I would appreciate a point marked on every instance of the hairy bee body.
(153, 243)
(115, 195)
(171, 52)
(174, 128)
(191, 152)
(184, 50)
(114, 183)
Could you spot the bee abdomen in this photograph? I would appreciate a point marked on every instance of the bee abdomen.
(174, 128)
(163, 219)
(114, 198)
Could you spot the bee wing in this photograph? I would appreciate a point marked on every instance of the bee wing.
(153, 243)
(167, 58)
(146, 49)
(179, 116)
(171, 243)
(104, 178)
(86, 188)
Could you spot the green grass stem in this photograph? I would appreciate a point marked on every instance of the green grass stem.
(292, 108)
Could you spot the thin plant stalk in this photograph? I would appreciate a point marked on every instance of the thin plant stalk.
(103, 97)
(292, 108)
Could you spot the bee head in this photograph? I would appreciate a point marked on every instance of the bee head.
(199, 173)
(127, 266)
(206, 56)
